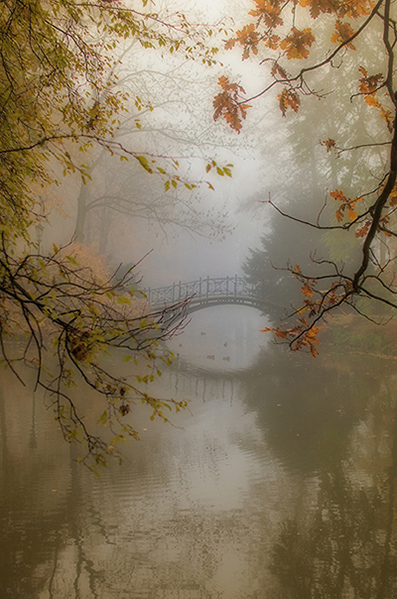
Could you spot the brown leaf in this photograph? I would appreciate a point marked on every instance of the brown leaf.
(227, 104)
(297, 43)
(288, 99)
(342, 33)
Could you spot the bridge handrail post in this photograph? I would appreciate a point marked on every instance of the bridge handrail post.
(200, 288)
(208, 286)
(235, 285)
(173, 292)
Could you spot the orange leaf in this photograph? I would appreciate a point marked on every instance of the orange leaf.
(297, 43)
(267, 11)
(248, 38)
(393, 197)
(363, 230)
(369, 84)
(228, 105)
(342, 33)
(278, 70)
(288, 99)
(307, 291)
(339, 215)
(352, 214)
(318, 6)
(328, 143)
(338, 195)
(372, 101)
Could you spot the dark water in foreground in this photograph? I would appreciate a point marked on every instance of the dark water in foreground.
(280, 485)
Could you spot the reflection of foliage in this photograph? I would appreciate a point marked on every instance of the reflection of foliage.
(291, 562)
(346, 546)
(342, 549)
(307, 409)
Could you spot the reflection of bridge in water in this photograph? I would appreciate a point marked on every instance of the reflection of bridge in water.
(206, 292)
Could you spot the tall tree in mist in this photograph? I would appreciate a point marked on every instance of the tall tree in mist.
(58, 101)
(165, 120)
(339, 53)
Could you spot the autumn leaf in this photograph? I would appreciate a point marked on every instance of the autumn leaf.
(278, 70)
(388, 118)
(280, 333)
(347, 206)
(306, 290)
(145, 163)
(316, 7)
(384, 221)
(354, 8)
(372, 101)
(267, 11)
(339, 215)
(248, 38)
(351, 212)
(227, 104)
(300, 336)
(288, 99)
(230, 43)
(369, 83)
(384, 113)
(297, 43)
(343, 32)
(328, 143)
(363, 230)
(272, 41)
(393, 197)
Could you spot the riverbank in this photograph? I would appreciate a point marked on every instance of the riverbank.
(355, 334)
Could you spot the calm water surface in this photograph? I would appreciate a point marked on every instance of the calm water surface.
(279, 485)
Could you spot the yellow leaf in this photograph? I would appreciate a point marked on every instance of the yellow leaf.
(145, 163)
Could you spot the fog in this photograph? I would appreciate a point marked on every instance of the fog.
(247, 470)
(124, 213)
(176, 235)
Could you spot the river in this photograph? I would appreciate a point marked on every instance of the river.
(278, 483)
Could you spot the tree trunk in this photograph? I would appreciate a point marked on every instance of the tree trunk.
(81, 213)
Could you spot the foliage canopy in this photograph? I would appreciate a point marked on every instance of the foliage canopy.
(58, 99)
(304, 44)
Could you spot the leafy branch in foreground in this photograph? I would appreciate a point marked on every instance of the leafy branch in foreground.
(60, 99)
(51, 304)
(300, 58)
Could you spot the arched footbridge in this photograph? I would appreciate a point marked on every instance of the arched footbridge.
(207, 292)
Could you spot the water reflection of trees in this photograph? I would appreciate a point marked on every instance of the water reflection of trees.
(345, 545)
(65, 536)
(331, 431)
(306, 407)
(39, 503)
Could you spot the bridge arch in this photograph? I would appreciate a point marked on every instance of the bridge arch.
(207, 292)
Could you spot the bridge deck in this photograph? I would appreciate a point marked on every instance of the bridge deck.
(205, 292)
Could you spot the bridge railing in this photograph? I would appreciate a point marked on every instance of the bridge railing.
(202, 288)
